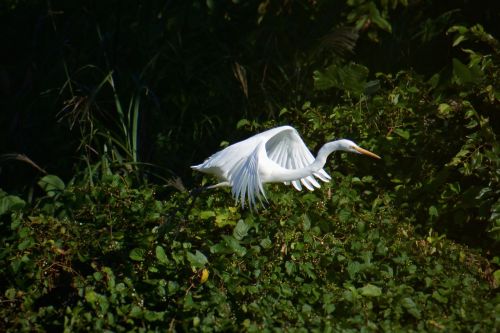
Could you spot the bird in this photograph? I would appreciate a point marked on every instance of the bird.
(277, 155)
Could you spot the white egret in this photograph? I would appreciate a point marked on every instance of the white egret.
(276, 155)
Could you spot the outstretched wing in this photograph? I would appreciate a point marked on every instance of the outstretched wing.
(287, 149)
(245, 179)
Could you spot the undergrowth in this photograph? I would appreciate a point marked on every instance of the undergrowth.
(116, 258)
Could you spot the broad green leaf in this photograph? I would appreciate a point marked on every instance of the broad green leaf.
(266, 243)
(344, 215)
(438, 297)
(206, 214)
(464, 74)
(283, 111)
(370, 290)
(402, 133)
(377, 18)
(351, 77)
(197, 260)
(241, 230)
(52, 185)
(496, 278)
(433, 212)
(411, 307)
(153, 315)
(10, 294)
(242, 123)
(135, 312)
(11, 203)
(444, 110)
(234, 245)
(26, 243)
(160, 255)
(306, 222)
(137, 254)
(222, 219)
(290, 267)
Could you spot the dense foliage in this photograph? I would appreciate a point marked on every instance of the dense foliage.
(106, 107)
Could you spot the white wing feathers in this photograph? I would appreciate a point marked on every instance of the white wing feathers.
(287, 149)
(245, 179)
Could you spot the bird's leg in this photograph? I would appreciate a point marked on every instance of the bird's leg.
(222, 184)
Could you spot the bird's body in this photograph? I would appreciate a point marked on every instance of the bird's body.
(276, 155)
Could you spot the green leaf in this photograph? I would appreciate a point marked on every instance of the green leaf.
(283, 111)
(153, 315)
(197, 260)
(438, 297)
(234, 245)
(459, 40)
(290, 267)
(52, 185)
(28, 242)
(496, 277)
(370, 290)
(241, 230)
(242, 122)
(137, 254)
(135, 311)
(206, 214)
(351, 77)
(306, 224)
(10, 294)
(90, 296)
(411, 307)
(266, 243)
(11, 203)
(377, 18)
(402, 133)
(465, 75)
(433, 212)
(160, 255)
(344, 215)
(444, 110)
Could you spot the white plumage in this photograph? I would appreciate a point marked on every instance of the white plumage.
(276, 155)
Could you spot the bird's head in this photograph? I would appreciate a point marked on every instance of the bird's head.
(349, 146)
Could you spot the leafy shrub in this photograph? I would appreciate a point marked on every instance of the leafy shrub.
(437, 137)
(115, 258)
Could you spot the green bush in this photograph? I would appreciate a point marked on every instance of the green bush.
(437, 137)
(115, 258)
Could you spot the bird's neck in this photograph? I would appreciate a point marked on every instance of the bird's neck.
(318, 164)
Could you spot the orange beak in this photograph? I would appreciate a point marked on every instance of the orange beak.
(366, 152)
